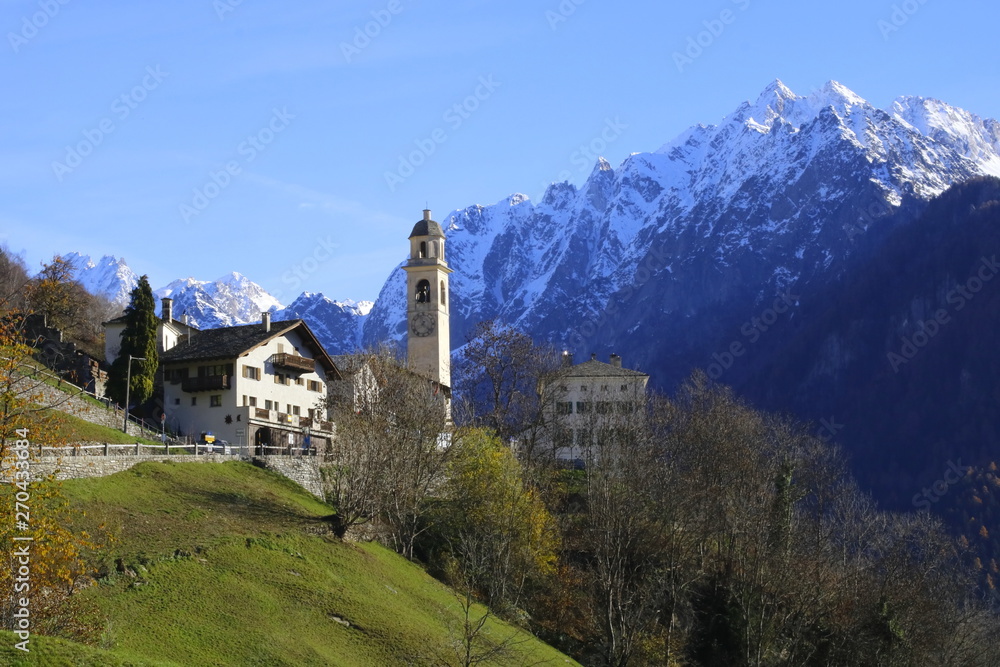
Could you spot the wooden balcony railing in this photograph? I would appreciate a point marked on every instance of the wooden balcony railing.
(293, 362)
(209, 383)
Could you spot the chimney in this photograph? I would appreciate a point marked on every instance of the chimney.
(593, 356)
(567, 359)
(266, 319)
(616, 361)
(167, 309)
(427, 214)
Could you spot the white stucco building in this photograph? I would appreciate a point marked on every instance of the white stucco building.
(169, 332)
(578, 398)
(261, 385)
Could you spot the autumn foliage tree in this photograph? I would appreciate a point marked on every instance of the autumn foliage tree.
(58, 555)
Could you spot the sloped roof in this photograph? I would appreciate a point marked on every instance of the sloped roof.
(231, 342)
(123, 319)
(594, 368)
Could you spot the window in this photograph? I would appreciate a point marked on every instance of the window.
(298, 381)
(215, 401)
(245, 400)
(564, 408)
(624, 387)
(423, 292)
(296, 410)
(583, 388)
(280, 378)
(315, 385)
(251, 372)
(194, 400)
(423, 250)
(288, 408)
(582, 407)
(604, 408)
(177, 401)
(216, 369)
(175, 375)
(267, 404)
(444, 296)
(253, 402)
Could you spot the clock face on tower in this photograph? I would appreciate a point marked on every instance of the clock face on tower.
(422, 324)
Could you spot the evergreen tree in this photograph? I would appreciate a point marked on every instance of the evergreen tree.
(138, 340)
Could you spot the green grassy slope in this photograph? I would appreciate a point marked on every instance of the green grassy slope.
(227, 564)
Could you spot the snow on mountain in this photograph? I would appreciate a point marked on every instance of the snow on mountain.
(723, 216)
(109, 276)
(228, 301)
(337, 324)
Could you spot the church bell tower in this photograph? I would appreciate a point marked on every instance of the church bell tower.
(428, 339)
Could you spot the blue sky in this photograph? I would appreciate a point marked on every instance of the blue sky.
(297, 142)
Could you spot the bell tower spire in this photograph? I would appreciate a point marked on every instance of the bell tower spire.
(428, 339)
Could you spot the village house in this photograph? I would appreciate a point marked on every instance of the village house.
(579, 398)
(259, 385)
(169, 332)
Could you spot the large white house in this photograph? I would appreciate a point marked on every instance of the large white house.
(579, 398)
(262, 385)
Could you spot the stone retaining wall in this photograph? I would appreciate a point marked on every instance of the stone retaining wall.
(75, 467)
(304, 470)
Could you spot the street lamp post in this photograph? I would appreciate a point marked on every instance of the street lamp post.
(128, 381)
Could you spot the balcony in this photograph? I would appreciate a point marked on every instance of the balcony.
(278, 419)
(209, 383)
(293, 362)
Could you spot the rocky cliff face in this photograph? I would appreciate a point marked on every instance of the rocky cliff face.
(659, 257)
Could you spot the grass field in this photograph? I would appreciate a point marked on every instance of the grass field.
(228, 564)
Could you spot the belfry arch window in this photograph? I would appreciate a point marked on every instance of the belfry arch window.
(423, 249)
(423, 293)
(444, 294)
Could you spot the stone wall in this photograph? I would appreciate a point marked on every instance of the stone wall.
(303, 470)
(75, 467)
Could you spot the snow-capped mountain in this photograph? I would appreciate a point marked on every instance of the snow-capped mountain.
(337, 324)
(109, 276)
(654, 255)
(231, 300)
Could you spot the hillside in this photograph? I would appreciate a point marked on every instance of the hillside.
(228, 564)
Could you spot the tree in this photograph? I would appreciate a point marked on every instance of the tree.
(390, 451)
(13, 279)
(139, 341)
(499, 371)
(57, 554)
(493, 524)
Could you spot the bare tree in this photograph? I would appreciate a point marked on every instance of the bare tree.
(390, 450)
